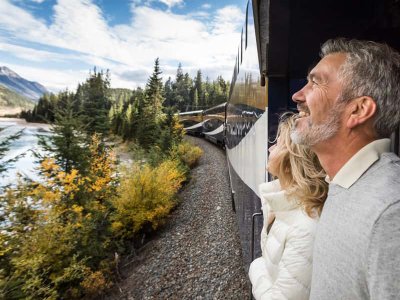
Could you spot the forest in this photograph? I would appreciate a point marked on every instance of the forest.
(65, 236)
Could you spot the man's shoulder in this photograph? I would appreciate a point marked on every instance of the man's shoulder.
(380, 184)
(387, 167)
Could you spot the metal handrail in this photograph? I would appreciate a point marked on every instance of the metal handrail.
(252, 242)
(252, 233)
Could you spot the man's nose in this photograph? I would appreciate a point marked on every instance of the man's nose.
(299, 96)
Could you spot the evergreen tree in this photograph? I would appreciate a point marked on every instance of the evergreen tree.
(44, 109)
(208, 93)
(149, 110)
(169, 94)
(172, 132)
(154, 91)
(195, 104)
(4, 147)
(67, 145)
(96, 102)
(198, 84)
(182, 87)
(78, 98)
(188, 83)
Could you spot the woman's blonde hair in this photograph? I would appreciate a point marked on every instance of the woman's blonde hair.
(299, 170)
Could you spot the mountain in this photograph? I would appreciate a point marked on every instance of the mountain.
(12, 103)
(16, 83)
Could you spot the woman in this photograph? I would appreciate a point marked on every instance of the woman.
(293, 203)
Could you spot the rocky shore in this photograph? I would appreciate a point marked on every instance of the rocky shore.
(197, 255)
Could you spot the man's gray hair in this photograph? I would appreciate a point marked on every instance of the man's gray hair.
(371, 69)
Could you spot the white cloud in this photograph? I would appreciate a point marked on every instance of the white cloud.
(226, 20)
(206, 41)
(171, 3)
(32, 54)
(206, 6)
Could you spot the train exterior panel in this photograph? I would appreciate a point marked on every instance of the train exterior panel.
(192, 122)
(246, 137)
(214, 124)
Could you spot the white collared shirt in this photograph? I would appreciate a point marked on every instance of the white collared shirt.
(360, 162)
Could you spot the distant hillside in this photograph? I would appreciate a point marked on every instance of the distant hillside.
(12, 99)
(16, 83)
(119, 95)
(13, 103)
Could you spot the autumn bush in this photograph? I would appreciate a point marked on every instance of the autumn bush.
(58, 237)
(187, 153)
(55, 235)
(146, 195)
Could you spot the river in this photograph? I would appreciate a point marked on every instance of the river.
(24, 147)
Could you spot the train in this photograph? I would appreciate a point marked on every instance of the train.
(279, 43)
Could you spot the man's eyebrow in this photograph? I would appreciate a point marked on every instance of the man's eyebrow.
(312, 76)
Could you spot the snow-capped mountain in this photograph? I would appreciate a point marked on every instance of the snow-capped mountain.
(22, 86)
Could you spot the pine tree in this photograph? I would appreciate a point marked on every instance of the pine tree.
(198, 84)
(96, 102)
(195, 104)
(171, 131)
(154, 91)
(169, 94)
(182, 87)
(4, 147)
(67, 145)
(149, 110)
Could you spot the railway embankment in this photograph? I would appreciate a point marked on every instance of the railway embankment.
(197, 254)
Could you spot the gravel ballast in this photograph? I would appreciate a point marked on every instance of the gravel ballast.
(197, 255)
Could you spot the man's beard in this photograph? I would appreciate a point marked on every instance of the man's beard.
(315, 134)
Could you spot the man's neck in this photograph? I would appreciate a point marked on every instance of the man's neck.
(334, 154)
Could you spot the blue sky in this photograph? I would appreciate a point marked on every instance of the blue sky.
(57, 42)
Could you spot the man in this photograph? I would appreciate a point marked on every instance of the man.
(348, 109)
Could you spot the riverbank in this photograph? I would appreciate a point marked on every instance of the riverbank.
(24, 123)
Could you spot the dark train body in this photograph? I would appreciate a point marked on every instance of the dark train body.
(214, 124)
(279, 43)
(192, 122)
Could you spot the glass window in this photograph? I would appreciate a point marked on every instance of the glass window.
(247, 19)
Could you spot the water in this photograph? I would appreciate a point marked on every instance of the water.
(27, 164)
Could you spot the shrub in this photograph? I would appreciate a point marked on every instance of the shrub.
(146, 195)
(187, 153)
(55, 241)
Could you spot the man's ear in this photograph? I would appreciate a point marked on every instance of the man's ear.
(361, 110)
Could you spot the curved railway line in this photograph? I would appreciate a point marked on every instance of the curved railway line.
(197, 255)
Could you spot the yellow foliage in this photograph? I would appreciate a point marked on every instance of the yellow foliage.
(188, 153)
(52, 222)
(94, 283)
(76, 208)
(146, 196)
(60, 239)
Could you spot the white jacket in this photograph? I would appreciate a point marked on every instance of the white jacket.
(284, 270)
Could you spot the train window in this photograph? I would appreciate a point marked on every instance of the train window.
(237, 60)
(241, 47)
(247, 20)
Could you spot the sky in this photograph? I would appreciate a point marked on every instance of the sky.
(58, 42)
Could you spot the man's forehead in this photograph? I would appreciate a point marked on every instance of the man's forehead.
(329, 65)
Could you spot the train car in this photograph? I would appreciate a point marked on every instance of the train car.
(280, 41)
(192, 122)
(214, 124)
